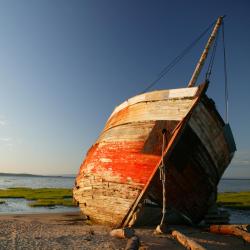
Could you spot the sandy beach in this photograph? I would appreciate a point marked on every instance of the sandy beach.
(70, 231)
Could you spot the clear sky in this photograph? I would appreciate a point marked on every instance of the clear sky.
(65, 65)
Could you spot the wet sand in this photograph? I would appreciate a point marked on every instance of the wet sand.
(70, 231)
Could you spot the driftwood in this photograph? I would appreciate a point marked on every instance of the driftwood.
(231, 230)
(244, 227)
(186, 241)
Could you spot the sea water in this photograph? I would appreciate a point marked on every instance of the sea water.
(234, 185)
(9, 181)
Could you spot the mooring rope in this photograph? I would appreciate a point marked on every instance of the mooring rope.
(163, 177)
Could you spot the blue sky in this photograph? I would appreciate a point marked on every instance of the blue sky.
(65, 65)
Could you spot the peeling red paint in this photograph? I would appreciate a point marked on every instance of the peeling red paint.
(125, 160)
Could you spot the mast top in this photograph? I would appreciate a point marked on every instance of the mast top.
(205, 52)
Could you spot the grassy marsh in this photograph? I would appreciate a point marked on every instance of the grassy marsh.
(46, 197)
(49, 197)
(239, 200)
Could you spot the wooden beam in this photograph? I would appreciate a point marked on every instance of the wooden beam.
(186, 241)
(230, 230)
(205, 53)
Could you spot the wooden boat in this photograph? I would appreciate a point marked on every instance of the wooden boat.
(122, 169)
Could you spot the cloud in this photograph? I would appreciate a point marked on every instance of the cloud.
(6, 139)
(7, 143)
(3, 121)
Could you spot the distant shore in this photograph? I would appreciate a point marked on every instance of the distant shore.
(74, 175)
(71, 231)
(37, 175)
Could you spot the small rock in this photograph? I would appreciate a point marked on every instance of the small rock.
(122, 233)
(133, 243)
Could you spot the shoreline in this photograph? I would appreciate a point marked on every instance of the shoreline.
(70, 231)
(53, 212)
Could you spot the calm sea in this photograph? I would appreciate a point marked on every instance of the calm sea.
(234, 185)
(36, 181)
(21, 205)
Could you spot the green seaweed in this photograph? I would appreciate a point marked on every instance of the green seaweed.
(239, 200)
(51, 202)
(40, 196)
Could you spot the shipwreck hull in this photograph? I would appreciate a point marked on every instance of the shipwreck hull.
(120, 170)
(196, 164)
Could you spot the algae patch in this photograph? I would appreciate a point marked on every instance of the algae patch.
(239, 200)
(43, 197)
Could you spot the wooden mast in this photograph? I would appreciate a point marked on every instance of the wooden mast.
(205, 53)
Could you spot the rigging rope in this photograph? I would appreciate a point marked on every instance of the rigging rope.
(225, 72)
(177, 59)
(211, 62)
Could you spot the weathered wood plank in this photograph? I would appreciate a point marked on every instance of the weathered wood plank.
(108, 192)
(150, 111)
(135, 131)
(210, 132)
(230, 230)
(158, 95)
(186, 241)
